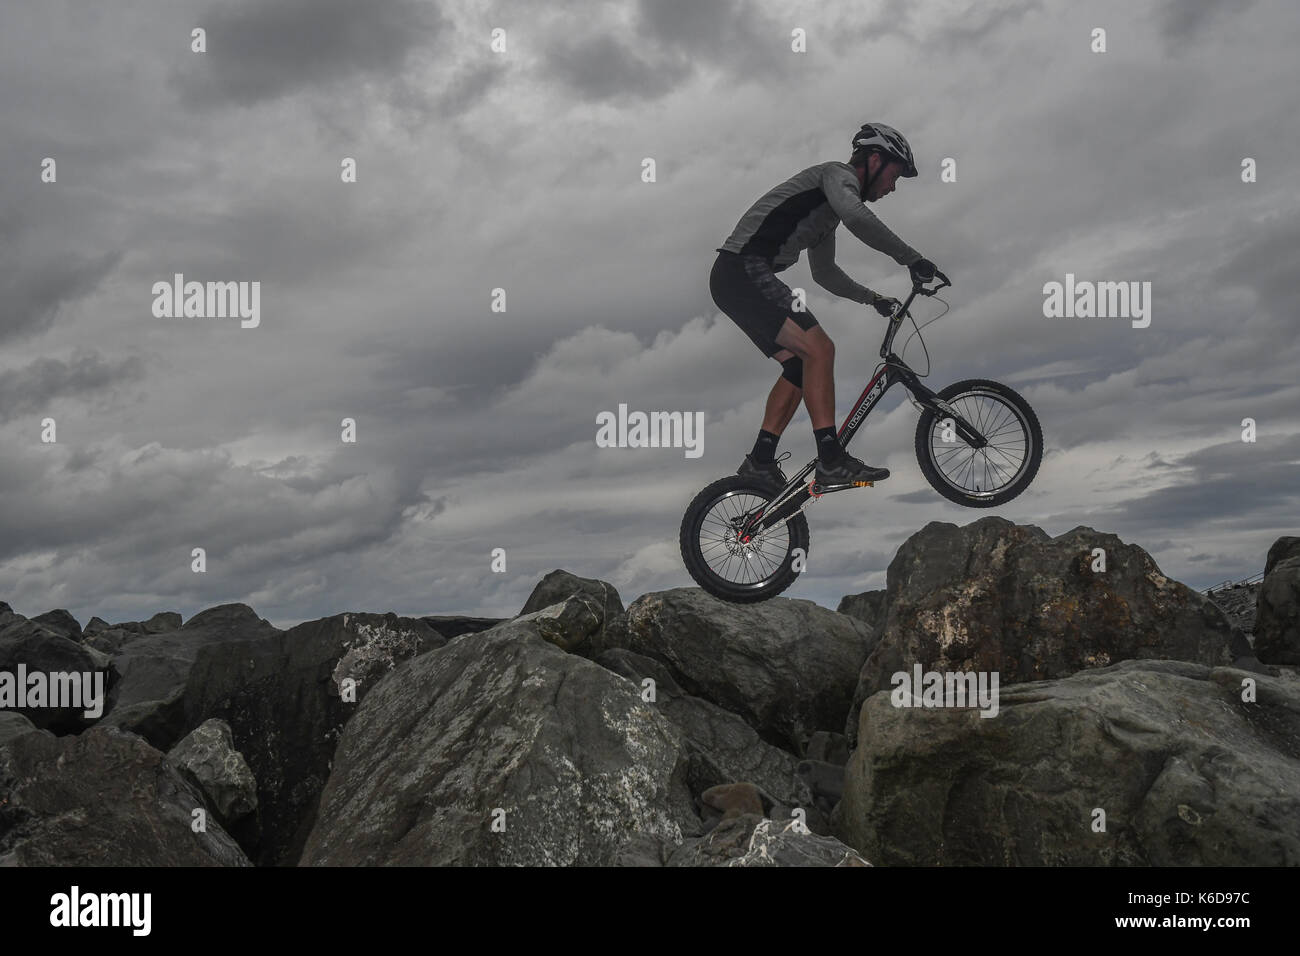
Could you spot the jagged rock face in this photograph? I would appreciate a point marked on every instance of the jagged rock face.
(1186, 772)
(998, 597)
(501, 750)
(1277, 614)
(721, 748)
(281, 697)
(101, 798)
(787, 667)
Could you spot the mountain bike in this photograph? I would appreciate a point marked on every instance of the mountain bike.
(744, 539)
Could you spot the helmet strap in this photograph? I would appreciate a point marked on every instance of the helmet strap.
(867, 180)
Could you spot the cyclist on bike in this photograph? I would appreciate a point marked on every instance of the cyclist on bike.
(803, 213)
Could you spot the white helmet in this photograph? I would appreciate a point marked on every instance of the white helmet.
(889, 141)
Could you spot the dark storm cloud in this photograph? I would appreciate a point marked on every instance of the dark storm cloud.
(33, 387)
(259, 51)
(603, 68)
(898, 18)
(1184, 19)
(735, 35)
(671, 41)
(1263, 472)
(35, 287)
(1268, 261)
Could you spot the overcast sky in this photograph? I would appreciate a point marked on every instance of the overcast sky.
(479, 170)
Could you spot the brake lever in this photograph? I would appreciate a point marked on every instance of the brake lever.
(943, 284)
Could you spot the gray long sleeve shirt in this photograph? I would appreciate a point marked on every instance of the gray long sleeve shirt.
(803, 213)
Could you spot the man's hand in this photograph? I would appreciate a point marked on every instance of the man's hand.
(885, 305)
(922, 270)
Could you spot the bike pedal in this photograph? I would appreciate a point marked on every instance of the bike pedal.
(818, 490)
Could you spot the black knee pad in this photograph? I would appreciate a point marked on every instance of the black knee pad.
(792, 371)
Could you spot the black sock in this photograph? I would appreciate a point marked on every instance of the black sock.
(765, 448)
(829, 448)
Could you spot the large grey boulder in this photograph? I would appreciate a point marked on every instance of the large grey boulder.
(155, 664)
(1186, 772)
(559, 585)
(208, 756)
(101, 798)
(40, 667)
(501, 749)
(1277, 609)
(868, 607)
(994, 596)
(61, 622)
(787, 667)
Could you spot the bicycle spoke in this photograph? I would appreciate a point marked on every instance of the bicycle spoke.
(983, 471)
(737, 562)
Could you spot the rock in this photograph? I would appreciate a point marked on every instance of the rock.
(101, 798)
(27, 648)
(207, 753)
(569, 624)
(559, 585)
(734, 800)
(94, 626)
(452, 626)
(787, 667)
(280, 695)
(825, 781)
(505, 729)
(379, 645)
(1283, 549)
(61, 623)
(1277, 615)
(993, 596)
(868, 607)
(1187, 773)
(15, 725)
(721, 748)
(155, 665)
(828, 747)
(750, 840)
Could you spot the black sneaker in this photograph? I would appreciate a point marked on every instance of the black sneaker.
(848, 469)
(770, 471)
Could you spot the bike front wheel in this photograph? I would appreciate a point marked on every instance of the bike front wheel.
(723, 564)
(980, 477)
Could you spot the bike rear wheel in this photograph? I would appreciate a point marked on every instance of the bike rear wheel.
(981, 477)
(741, 572)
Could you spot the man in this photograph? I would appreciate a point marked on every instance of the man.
(803, 213)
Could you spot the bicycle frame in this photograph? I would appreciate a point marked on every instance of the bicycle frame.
(794, 497)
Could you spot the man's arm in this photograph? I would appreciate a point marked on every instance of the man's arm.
(821, 259)
(841, 188)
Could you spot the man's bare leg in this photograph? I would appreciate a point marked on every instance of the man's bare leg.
(817, 350)
(782, 402)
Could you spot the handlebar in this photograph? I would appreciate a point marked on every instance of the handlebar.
(918, 288)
